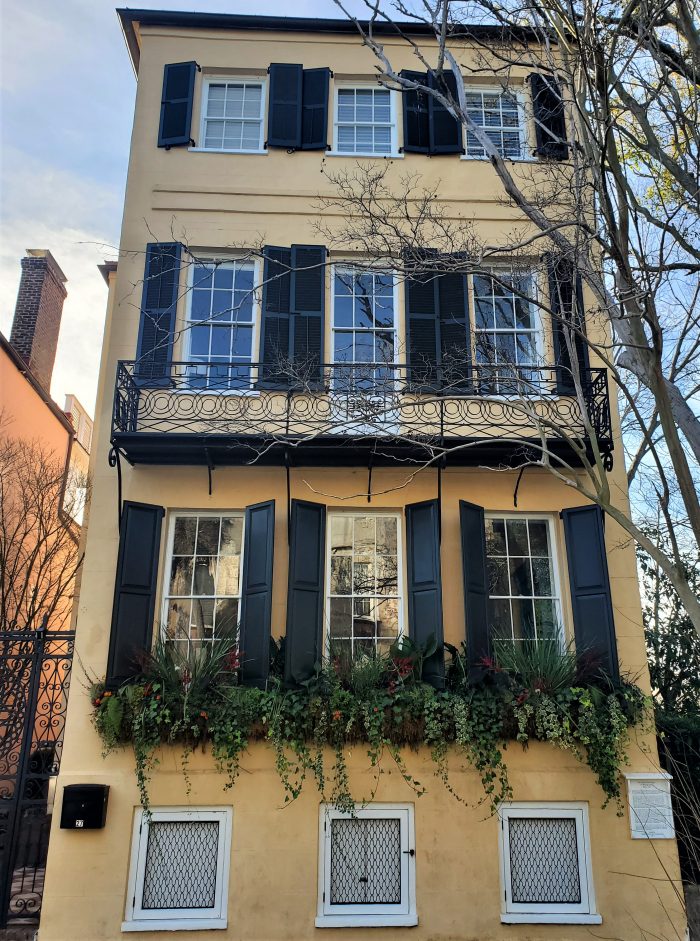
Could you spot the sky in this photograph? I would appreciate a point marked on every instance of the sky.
(66, 107)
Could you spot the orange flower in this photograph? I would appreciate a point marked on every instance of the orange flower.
(105, 695)
(203, 714)
(336, 715)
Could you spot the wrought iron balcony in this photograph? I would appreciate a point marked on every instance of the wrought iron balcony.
(234, 413)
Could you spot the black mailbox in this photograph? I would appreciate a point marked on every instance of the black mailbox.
(84, 806)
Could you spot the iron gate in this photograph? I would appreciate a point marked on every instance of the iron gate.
(35, 667)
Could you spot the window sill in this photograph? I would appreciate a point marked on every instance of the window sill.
(366, 921)
(364, 154)
(171, 924)
(507, 159)
(562, 918)
(221, 150)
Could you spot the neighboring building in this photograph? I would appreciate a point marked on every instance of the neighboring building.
(212, 436)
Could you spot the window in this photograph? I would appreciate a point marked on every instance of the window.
(364, 595)
(220, 325)
(523, 593)
(364, 325)
(365, 122)
(367, 867)
(499, 114)
(179, 869)
(546, 863)
(202, 592)
(232, 115)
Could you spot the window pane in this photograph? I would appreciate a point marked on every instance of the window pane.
(341, 533)
(520, 578)
(517, 537)
(495, 537)
(388, 618)
(228, 575)
(208, 536)
(539, 538)
(542, 577)
(341, 617)
(181, 576)
(341, 575)
(184, 536)
(523, 619)
(343, 311)
(178, 620)
(204, 572)
(547, 623)
(226, 616)
(386, 535)
(387, 575)
(498, 577)
(499, 618)
(223, 278)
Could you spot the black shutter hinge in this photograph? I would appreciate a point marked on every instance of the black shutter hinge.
(198, 66)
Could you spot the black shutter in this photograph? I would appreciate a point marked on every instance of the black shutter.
(445, 129)
(314, 120)
(422, 329)
(550, 122)
(416, 115)
(256, 593)
(594, 626)
(134, 590)
(425, 585)
(307, 552)
(276, 305)
(455, 347)
(308, 296)
(476, 586)
(176, 104)
(284, 117)
(154, 350)
(566, 303)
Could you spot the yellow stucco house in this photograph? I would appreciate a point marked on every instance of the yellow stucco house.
(307, 444)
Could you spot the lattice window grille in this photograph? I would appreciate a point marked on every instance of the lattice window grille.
(544, 860)
(365, 864)
(181, 865)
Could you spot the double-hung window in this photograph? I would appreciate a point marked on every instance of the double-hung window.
(233, 113)
(365, 120)
(367, 867)
(364, 599)
(546, 864)
(499, 115)
(364, 325)
(524, 601)
(203, 577)
(179, 869)
(220, 327)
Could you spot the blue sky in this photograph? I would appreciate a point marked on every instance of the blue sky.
(67, 94)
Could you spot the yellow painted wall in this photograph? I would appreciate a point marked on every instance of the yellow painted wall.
(214, 202)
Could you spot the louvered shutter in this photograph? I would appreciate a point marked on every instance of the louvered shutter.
(455, 347)
(416, 115)
(550, 121)
(285, 106)
(307, 550)
(565, 288)
(425, 585)
(276, 306)
(445, 129)
(256, 593)
(422, 329)
(134, 590)
(314, 121)
(308, 296)
(594, 626)
(476, 588)
(154, 350)
(176, 104)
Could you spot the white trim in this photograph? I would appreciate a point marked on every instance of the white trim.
(583, 912)
(138, 919)
(338, 267)
(392, 124)
(523, 130)
(368, 916)
(203, 117)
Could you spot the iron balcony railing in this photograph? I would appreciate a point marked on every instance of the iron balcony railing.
(367, 400)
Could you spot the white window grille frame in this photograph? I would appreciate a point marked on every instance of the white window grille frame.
(554, 562)
(368, 915)
(140, 919)
(349, 267)
(166, 597)
(393, 125)
(333, 512)
(583, 912)
(520, 97)
(204, 105)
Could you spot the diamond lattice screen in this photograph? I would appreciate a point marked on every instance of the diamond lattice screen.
(544, 860)
(366, 862)
(180, 869)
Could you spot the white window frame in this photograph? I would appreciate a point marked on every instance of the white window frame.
(166, 597)
(204, 102)
(583, 913)
(520, 97)
(394, 135)
(556, 579)
(350, 267)
(139, 919)
(500, 271)
(368, 916)
(400, 564)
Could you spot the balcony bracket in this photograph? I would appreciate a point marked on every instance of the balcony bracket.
(114, 460)
(289, 497)
(370, 462)
(210, 467)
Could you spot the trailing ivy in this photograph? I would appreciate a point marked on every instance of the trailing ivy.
(380, 703)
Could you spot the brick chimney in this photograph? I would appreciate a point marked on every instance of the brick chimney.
(38, 313)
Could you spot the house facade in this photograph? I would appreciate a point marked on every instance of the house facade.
(296, 450)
